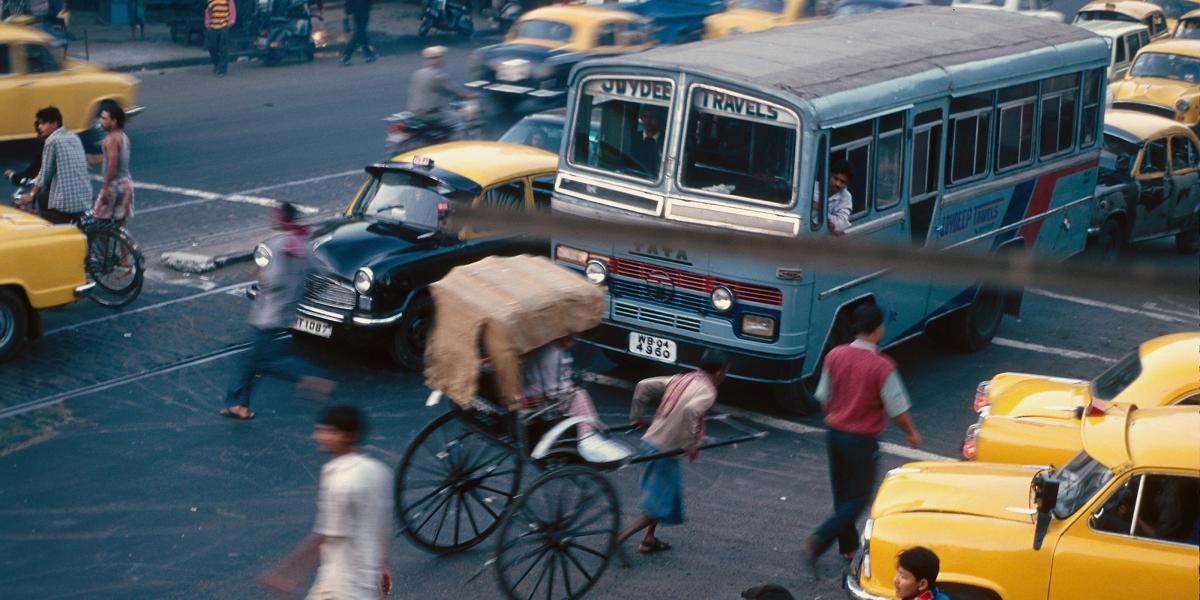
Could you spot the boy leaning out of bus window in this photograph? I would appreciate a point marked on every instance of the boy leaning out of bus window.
(841, 203)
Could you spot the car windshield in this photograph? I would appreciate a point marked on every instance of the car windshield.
(620, 125)
(1119, 376)
(1103, 15)
(1189, 29)
(539, 133)
(1166, 66)
(1174, 9)
(404, 199)
(1079, 480)
(538, 29)
(771, 6)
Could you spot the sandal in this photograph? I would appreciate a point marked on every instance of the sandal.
(228, 412)
(654, 545)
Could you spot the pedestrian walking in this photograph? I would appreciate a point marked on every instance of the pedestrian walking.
(358, 12)
(859, 389)
(352, 533)
(684, 401)
(115, 200)
(63, 170)
(770, 591)
(916, 575)
(280, 285)
(219, 17)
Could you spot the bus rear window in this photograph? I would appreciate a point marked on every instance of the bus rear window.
(620, 126)
(738, 146)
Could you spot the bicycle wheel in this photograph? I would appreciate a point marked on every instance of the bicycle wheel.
(115, 264)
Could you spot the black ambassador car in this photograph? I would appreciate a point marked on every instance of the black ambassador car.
(543, 45)
(373, 265)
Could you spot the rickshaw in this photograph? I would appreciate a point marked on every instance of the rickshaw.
(460, 480)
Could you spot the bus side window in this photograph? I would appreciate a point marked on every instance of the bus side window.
(817, 215)
(1059, 95)
(969, 137)
(852, 144)
(889, 167)
(1093, 95)
(922, 191)
(1014, 131)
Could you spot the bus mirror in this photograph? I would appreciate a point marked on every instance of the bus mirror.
(1045, 495)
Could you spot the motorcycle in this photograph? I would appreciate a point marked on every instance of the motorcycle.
(406, 131)
(446, 15)
(505, 13)
(284, 27)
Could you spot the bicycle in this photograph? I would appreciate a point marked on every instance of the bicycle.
(114, 261)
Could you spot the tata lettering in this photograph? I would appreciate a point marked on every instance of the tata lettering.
(671, 254)
(745, 107)
(639, 89)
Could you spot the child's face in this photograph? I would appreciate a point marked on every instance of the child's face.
(906, 584)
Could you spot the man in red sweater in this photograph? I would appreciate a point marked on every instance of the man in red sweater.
(859, 390)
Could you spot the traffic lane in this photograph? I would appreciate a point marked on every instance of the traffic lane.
(182, 502)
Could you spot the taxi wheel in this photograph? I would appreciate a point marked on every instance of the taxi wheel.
(14, 321)
(1188, 240)
(408, 340)
(1106, 246)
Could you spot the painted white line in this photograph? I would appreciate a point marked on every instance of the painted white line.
(1063, 352)
(1190, 315)
(1113, 307)
(126, 313)
(205, 196)
(776, 423)
(302, 181)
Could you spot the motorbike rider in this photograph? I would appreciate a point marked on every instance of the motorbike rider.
(430, 91)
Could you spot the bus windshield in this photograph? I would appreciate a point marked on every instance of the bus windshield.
(1166, 66)
(620, 126)
(739, 146)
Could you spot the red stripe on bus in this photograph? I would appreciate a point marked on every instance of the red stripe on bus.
(1041, 199)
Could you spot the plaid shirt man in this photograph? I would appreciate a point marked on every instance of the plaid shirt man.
(64, 163)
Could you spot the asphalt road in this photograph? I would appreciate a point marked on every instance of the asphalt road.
(118, 480)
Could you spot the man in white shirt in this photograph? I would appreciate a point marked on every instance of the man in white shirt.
(353, 528)
(840, 204)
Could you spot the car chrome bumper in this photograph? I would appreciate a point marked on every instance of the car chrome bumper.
(364, 321)
(83, 290)
(853, 590)
(134, 111)
(519, 90)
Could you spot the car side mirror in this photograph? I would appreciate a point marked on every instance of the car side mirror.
(1124, 164)
(1045, 495)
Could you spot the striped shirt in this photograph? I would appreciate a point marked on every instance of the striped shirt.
(65, 165)
(218, 14)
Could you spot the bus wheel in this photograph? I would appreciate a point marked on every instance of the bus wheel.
(972, 328)
(796, 397)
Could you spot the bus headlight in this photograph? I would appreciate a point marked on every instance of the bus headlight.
(262, 256)
(363, 280)
(758, 326)
(722, 298)
(596, 272)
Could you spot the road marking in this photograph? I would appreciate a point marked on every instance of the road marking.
(302, 181)
(204, 196)
(1189, 315)
(91, 322)
(777, 423)
(1051, 350)
(1113, 307)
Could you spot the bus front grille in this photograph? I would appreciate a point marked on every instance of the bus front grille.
(656, 317)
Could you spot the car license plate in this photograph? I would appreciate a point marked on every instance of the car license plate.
(313, 327)
(654, 348)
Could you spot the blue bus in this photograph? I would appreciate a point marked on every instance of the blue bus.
(965, 130)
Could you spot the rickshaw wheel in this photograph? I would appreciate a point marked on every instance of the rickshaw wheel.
(558, 538)
(453, 486)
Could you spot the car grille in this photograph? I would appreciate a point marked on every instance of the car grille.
(656, 317)
(326, 291)
(636, 290)
(675, 278)
(1153, 109)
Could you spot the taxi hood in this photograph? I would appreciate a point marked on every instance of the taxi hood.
(1152, 90)
(993, 491)
(345, 245)
(1021, 395)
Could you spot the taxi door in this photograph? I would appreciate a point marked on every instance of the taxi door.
(1156, 189)
(1108, 552)
(45, 83)
(1185, 174)
(18, 116)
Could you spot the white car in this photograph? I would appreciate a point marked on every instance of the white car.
(1033, 8)
(1124, 40)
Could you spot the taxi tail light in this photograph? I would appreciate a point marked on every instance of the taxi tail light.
(1094, 408)
(397, 127)
(981, 396)
(970, 446)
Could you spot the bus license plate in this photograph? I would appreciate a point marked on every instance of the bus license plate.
(654, 348)
(313, 327)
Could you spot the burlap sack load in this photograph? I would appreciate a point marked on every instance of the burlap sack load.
(507, 306)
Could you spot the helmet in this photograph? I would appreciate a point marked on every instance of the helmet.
(434, 52)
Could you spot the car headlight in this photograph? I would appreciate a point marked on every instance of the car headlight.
(758, 326)
(262, 256)
(596, 272)
(1182, 105)
(363, 280)
(868, 527)
(722, 298)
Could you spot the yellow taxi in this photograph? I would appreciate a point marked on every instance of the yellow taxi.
(32, 77)
(1188, 26)
(41, 267)
(1164, 80)
(1132, 11)
(744, 16)
(1034, 419)
(1120, 520)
